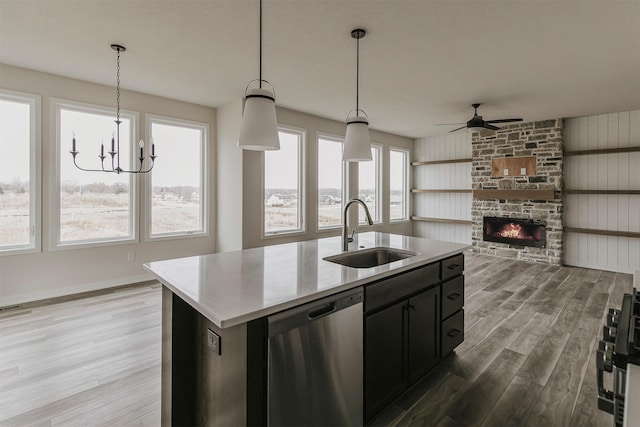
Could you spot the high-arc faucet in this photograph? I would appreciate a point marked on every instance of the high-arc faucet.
(345, 235)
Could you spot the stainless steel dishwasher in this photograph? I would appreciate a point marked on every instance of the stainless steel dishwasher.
(315, 360)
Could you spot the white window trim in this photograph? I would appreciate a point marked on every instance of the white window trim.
(35, 183)
(407, 216)
(301, 186)
(379, 172)
(345, 181)
(204, 180)
(56, 105)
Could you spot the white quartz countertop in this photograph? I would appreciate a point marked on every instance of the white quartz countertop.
(230, 288)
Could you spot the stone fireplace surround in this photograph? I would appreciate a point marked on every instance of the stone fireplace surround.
(544, 140)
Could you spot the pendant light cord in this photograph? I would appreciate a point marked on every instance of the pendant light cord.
(260, 44)
(357, 73)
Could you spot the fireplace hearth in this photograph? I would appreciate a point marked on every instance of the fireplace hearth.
(514, 231)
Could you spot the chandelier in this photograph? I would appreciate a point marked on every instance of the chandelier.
(115, 142)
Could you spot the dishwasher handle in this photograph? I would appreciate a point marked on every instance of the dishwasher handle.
(321, 311)
(314, 311)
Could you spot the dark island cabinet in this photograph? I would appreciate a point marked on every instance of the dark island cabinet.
(411, 321)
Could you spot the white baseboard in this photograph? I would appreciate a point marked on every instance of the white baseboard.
(71, 290)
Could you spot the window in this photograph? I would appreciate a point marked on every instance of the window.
(19, 172)
(331, 185)
(177, 183)
(283, 184)
(369, 174)
(92, 207)
(398, 184)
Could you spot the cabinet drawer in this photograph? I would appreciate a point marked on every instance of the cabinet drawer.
(452, 267)
(452, 296)
(452, 332)
(401, 286)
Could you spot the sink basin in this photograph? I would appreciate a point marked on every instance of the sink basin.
(370, 257)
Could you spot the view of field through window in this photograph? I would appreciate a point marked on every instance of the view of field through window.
(93, 205)
(398, 164)
(330, 182)
(282, 173)
(15, 185)
(369, 186)
(176, 203)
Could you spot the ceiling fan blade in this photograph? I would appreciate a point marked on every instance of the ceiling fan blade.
(449, 124)
(492, 127)
(455, 130)
(504, 120)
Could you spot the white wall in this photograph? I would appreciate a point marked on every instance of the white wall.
(439, 177)
(54, 273)
(252, 181)
(602, 172)
(229, 178)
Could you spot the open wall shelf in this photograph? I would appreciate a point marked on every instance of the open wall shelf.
(603, 232)
(440, 162)
(602, 151)
(623, 192)
(421, 190)
(442, 220)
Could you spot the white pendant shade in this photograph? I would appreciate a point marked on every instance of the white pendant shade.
(357, 145)
(259, 127)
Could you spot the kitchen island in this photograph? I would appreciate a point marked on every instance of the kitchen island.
(214, 311)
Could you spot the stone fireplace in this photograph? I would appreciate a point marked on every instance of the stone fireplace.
(517, 184)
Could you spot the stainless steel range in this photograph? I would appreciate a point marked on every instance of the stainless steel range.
(619, 353)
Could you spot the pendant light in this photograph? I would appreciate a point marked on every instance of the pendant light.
(115, 140)
(259, 127)
(357, 145)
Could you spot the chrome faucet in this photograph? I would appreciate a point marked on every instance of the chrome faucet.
(345, 235)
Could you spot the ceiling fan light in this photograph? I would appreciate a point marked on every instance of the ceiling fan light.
(475, 129)
(357, 144)
(259, 127)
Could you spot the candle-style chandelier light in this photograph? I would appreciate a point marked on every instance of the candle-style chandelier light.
(115, 142)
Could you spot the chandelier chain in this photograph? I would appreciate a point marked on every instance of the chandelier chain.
(118, 89)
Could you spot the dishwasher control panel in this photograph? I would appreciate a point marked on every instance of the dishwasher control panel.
(349, 301)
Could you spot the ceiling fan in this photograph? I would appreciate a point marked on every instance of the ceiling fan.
(477, 123)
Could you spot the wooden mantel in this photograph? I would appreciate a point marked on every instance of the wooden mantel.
(515, 194)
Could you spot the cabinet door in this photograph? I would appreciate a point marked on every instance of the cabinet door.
(384, 358)
(424, 332)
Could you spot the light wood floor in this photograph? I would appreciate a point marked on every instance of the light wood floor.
(527, 359)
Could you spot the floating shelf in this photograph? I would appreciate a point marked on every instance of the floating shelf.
(602, 191)
(515, 194)
(603, 232)
(443, 220)
(440, 162)
(419, 190)
(602, 151)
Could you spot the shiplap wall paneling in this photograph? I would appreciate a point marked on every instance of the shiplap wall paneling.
(617, 212)
(443, 176)
(459, 233)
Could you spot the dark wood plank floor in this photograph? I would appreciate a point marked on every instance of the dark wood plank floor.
(527, 359)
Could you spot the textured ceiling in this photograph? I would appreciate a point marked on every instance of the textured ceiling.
(422, 62)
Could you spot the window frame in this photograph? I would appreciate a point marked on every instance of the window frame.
(301, 186)
(378, 179)
(405, 192)
(205, 205)
(345, 181)
(58, 104)
(35, 176)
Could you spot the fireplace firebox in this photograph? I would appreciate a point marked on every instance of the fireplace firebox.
(514, 231)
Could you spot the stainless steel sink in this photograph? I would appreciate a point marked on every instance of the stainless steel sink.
(370, 257)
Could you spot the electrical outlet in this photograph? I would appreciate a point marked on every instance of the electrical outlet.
(131, 256)
(506, 172)
(214, 342)
(523, 171)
